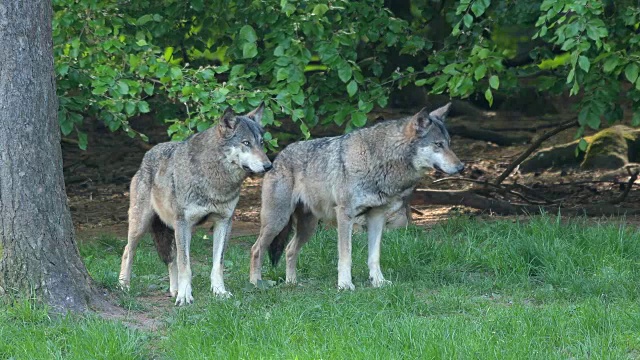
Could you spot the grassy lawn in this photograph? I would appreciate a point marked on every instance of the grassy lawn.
(465, 289)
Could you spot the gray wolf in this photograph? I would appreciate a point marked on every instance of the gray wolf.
(182, 184)
(364, 174)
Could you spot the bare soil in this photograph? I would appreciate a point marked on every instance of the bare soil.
(97, 179)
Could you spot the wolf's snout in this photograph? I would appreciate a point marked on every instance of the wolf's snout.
(460, 167)
(267, 167)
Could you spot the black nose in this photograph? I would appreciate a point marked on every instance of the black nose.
(461, 167)
(267, 167)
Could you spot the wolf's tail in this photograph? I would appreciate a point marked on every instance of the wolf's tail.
(277, 245)
(163, 236)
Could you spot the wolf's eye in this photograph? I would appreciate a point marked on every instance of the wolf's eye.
(440, 144)
(246, 143)
(261, 142)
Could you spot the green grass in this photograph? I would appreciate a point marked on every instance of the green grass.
(540, 289)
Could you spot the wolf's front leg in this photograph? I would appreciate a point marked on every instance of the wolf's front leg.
(375, 225)
(183, 242)
(221, 234)
(345, 229)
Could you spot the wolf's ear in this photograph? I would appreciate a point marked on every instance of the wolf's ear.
(442, 112)
(417, 124)
(256, 114)
(228, 118)
(421, 119)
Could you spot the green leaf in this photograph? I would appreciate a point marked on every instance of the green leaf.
(478, 8)
(344, 72)
(144, 19)
(583, 144)
(631, 72)
(148, 88)
(168, 53)
(248, 34)
(468, 20)
(480, 72)
(141, 42)
(489, 96)
(143, 107)
(123, 88)
(352, 88)
(494, 82)
(249, 50)
(63, 69)
(584, 63)
(635, 120)
(99, 90)
(130, 107)
(66, 126)
(593, 121)
(611, 63)
(320, 9)
(82, 140)
(176, 73)
(358, 119)
(282, 74)
(187, 90)
(297, 114)
(421, 82)
(572, 74)
(279, 51)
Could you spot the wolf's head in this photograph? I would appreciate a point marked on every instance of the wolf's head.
(431, 140)
(243, 137)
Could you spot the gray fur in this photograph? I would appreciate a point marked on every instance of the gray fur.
(182, 184)
(364, 174)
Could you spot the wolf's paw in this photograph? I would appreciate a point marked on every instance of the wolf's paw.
(220, 292)
(124, 285)
(344, 285)
(184, 300)
(184, 296)
(380, 282)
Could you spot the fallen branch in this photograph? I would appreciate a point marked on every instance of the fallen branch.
(534, 145)
(473, 132)
(498, 188)
(632, 179)
(471, 199)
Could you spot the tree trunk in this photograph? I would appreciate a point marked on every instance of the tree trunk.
(39, 253)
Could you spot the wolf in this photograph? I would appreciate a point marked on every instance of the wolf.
(182, 184)
(364, 174)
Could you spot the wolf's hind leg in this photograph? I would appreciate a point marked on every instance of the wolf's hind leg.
(183, 243)
(173, 274)
(375, 225)
(305, 226)
(140, 216)
(221, 234)
(345, 230)
(276, 212)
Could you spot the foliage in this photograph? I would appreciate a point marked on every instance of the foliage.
(320, 62)
(113, 59)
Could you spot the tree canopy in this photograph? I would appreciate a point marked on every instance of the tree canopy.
(321, 62)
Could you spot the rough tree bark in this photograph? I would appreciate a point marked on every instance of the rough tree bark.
(39, 253)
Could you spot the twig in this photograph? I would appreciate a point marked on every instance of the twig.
(496, 187)
(632, 179)
(533, 147)
(501, 207)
